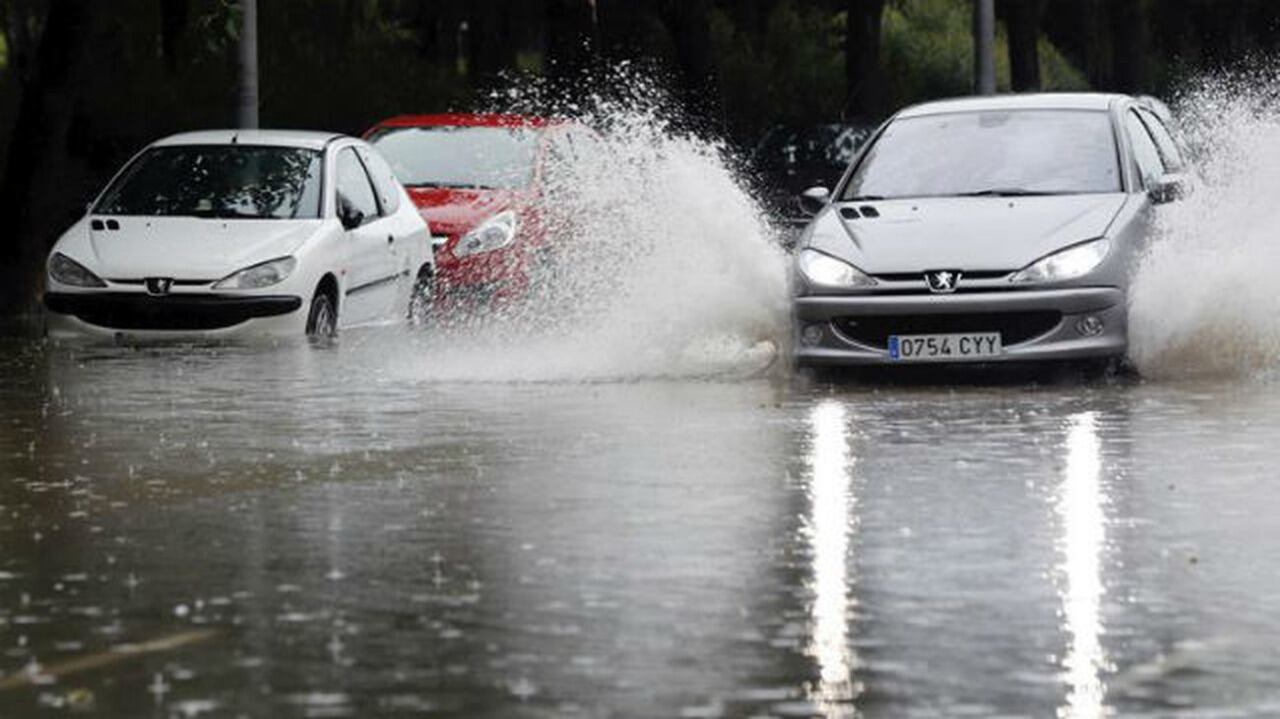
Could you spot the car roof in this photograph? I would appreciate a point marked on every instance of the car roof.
(279, 138)
(469, 119)
(1097, 101)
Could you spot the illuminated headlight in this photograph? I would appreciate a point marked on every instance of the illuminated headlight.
(826, 271)
(67, 271)
(261, 275)
(493, 234)
(1066, 265)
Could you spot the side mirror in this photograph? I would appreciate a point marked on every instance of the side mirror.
(1168, 189)
(814, 199)
(348, 215)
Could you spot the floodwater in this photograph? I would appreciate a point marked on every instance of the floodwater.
(314, 532)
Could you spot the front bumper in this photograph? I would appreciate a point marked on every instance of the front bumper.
(1013, 313)
(140, 315)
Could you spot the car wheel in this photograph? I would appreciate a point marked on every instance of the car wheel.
(421, 300)
(322, 321)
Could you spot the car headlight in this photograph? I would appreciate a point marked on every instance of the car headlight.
(826, 271)
(69, 272)
(263, 274)
(1068, 264)
(492, 234)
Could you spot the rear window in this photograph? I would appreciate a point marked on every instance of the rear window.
(956, 154)
(222, 181)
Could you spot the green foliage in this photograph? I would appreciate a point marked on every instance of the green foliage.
(793, 73)
(928, 53)
(356, 66)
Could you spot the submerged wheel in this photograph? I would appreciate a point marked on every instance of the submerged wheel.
(421, 300)
(322, 321)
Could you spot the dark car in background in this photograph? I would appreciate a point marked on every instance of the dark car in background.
(791, 158)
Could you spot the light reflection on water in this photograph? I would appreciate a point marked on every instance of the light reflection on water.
(830, 463)
(1080, 512)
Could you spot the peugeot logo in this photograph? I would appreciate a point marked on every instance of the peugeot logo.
(942, 281)
(159, 286)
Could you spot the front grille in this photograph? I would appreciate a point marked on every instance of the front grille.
(1014, 327)
(135, 311)
(919, 276)
(176, 283)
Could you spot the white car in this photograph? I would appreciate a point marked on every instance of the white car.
(230, 233)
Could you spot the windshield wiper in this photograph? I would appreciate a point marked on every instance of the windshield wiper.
(863, 198)
(229, 215)
(1006, 192)
(451, 185)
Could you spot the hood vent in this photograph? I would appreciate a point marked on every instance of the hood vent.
(849, 213)
(869, 211)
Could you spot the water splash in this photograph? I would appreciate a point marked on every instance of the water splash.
(664, 266)
(1204, 302)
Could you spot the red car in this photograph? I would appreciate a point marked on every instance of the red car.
(479, 181)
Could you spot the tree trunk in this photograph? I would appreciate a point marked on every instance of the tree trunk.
(572, 37)
(1022, 18)
(864, 77)
(984, 47)
(18, 34)
(247, 54)
(690, 26)
(33, 198)
(173, 27)
(492, 45)
(1129, 55)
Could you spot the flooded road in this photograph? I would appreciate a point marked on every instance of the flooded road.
(298, 531)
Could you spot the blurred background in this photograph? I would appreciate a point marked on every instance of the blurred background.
(786, 83)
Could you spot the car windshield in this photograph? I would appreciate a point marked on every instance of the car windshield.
(222, 181)
(990, 153)
(478, 157)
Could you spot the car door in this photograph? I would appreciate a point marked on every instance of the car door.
(371, 272)
(405, 235)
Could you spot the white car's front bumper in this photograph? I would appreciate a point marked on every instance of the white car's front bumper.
(138, 316)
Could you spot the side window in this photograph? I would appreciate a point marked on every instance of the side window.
(353, 185)
(1144, 149)
(384, 181)
(1168, 147)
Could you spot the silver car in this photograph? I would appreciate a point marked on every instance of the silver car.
(985, 230)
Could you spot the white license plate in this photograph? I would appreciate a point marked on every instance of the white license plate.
(945, 348)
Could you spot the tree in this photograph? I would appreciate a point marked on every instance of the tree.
(572, 37)
(688, 21)
(864, 76)
(1129, 44)
(32, 198)
(492, 46)
(1022, 19)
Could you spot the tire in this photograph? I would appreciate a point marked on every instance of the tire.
(422, 301)
(322, 320)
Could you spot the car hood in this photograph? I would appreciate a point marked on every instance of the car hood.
(193, 248)
(450, 211)
(972, 234)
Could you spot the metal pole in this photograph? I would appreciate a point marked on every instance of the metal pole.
(984, 30)
(247, 104)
